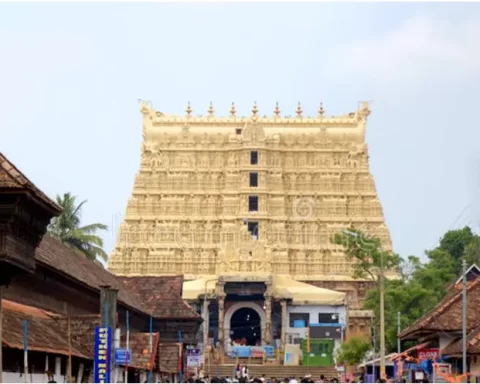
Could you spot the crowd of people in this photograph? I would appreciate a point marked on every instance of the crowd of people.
(261, 379)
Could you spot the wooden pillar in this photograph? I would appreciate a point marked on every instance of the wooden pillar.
(284, 323)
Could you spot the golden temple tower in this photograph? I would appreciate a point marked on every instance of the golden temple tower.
(248, 195)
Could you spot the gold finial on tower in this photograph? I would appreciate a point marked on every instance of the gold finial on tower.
(276, 110)
(255, 109)
(233, 111)
(321, 111)
(299, 110)
(189, 109)
(211, 111)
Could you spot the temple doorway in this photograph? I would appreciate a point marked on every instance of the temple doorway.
(245, 327)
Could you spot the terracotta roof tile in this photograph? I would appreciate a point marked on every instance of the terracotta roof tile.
(12, 179)
(139, 343)
(55, 255)
(447, 315)
(82, 331)
(43, 331)
(161, 295)
(456, 347)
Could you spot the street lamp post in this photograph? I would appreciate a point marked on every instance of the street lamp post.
(381, 281)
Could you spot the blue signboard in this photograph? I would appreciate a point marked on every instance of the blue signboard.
(123, 356)
(102, 357)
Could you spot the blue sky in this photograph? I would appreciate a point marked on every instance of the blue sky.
(71, 74)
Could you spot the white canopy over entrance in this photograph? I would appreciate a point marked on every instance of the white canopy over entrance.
(283, 287)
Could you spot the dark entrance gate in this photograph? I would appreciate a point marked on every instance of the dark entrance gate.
(246, 326)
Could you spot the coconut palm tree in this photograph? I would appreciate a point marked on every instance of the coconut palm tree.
(67, 229)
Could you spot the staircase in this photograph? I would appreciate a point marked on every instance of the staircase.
(278, 371)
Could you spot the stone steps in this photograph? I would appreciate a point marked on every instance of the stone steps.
(278, 371)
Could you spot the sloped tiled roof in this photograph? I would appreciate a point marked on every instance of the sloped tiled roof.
(456, 347)
(168, 356)
(447, 315)
(55, 255)
(12, 179)
(82, 331)
(43, 331)
(161, 295)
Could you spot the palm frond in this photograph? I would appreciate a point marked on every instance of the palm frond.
(92, 228)
(67, 229)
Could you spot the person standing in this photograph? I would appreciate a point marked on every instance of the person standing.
(245, 374)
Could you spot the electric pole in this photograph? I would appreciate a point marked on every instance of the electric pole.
(464, 317)
(382, 319)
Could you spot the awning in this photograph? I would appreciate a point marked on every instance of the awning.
(388, 361)
(283, 287)
(305, 294)
(195, 289)
(412, 349)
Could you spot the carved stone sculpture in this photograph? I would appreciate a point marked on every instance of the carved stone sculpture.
(313, 180)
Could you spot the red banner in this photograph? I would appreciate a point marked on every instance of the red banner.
(429, 353)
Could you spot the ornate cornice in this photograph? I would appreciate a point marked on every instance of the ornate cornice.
(357, 119)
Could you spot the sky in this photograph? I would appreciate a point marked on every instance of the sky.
(71, 75)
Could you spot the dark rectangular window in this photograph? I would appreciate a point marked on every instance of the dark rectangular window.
(328, 318)
(253, 179)
(299, 320)
(253, 229)
(254, 157)
(238, 131)
(253, 203)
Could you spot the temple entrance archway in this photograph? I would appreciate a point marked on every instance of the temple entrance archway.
(246, 327)
(239, 312)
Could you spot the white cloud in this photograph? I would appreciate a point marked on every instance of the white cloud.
(420, 48)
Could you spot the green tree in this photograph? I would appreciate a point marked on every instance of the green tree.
(67, 229)
(370, 260)
(472, 251)
(353, 351)
(456, 242)
(423, 285)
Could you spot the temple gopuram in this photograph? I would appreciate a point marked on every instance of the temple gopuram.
(245, 208)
